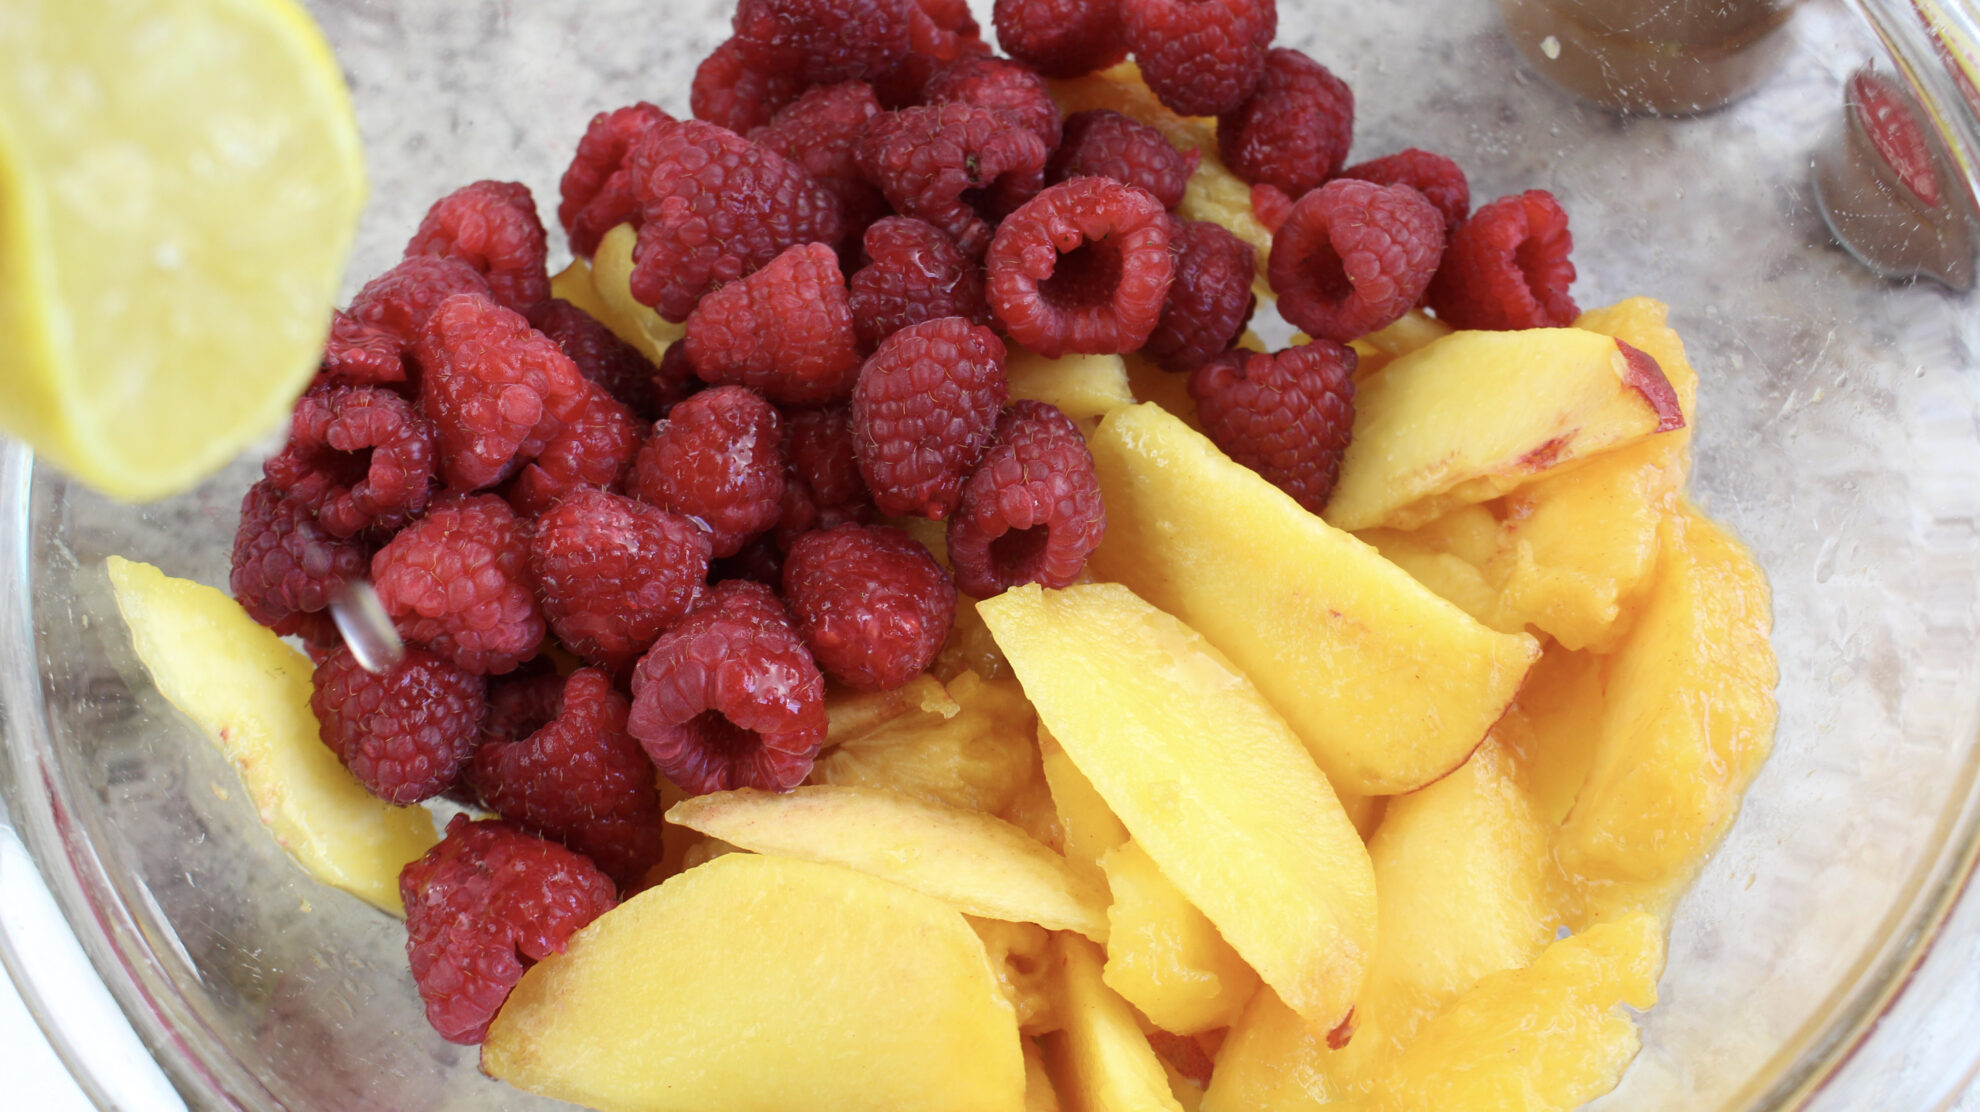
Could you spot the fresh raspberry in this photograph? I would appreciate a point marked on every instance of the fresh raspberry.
(594, 452)
(1031, 511)
(581, 780)
(674, 380)
(823, 40)
(914, 272)
(1295, 130)
(405, 734)
(614, 573)
(1270, 205)
(1201, 57)
(818, 132)
(1354, 256)
(599, 155)
(399, 301)
(730, 93)
(1083, 267)
(457, 582)
(1507, 267)
(937, 161)
(999, 83)
(717, 457)
(360, 354)
(715, 207)
(730, 697)
(615, 203)
(925, 406)
(360, 457)
(286, 567)
(1440, 180)
(874, 607)
(943, 29)
(497, 389)
(483, 906)
(1061, 38)
(522, 702)
(599, 354)
(1210, 301)
(1286, 416)
(1102, 143)
(493, 227)
(820, 451)
(785, 331)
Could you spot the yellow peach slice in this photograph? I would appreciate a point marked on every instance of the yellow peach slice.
(1081, 386)
(762, 984)
(982, 865)
(1388, 685)
(249, 693)
(1101, 1062)
(1206, 778)
(1163, 956)
(1475, 414)
(1088, 826)
(611, 276)
(1688, 719)
(970, 746)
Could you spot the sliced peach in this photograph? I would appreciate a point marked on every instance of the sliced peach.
(1475, 414)
(1163, 956)
(611, 276)
(1081, 386)
(968, 747)
(1689, 716)
(760, 984)
(982, 865)
(1101, 1060)
(1206, 778)
(1388, 685)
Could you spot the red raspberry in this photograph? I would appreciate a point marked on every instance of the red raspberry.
(818, 132)
(943, 29)
(730, 697)
(925, 406)
(457, 582)
(1440, 180)
(1031, 512)
(821, 454)
(599, 156)
(594, 451)
(823, 40)
(1061, 38)
(493, 227)
(1286, 416)
(1102, 143)
(1270, 205)
(599, 354)
(581, 780)
(1210, 301)
(285, 566)
(614, 573)
(359, 457)
(1004, 85)
(1201, 57)
(1295, 130)
(935, 161)
(497, 389)
(399, 301)
(484, 905)
(359, 354)
(715, 207)
(405, 734)
(522, 702)
(674, 380)
(717, 457)
(914, 272)
(1083, 267)
(730, 93)
(785, 331)
(1354, 256)
(874, 607)
(1507, 267)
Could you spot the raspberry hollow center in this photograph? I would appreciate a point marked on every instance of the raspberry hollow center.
(1085, 277)
(1016, 556)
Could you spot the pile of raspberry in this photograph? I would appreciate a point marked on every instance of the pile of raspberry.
(607, 570)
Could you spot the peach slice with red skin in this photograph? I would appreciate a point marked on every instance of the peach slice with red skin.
(1473, 415)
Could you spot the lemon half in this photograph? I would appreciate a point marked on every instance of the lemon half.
(180, 181)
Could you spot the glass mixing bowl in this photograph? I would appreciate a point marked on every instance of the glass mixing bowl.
(1826, 957)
